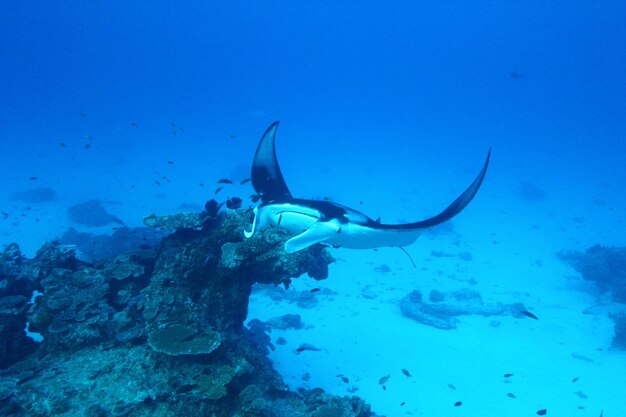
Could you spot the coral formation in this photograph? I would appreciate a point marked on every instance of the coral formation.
(619, 340)
(176, 339)
(155, 333)
(606, 266)
(442, 309)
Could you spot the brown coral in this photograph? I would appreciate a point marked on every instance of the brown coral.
(177, 339)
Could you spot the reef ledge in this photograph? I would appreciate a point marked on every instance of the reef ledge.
(152, 332)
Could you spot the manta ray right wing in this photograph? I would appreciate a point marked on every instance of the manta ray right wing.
(267, 179)
(452, 210)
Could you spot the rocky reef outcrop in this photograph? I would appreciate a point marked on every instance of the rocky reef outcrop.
(153, 332)
(442, 309)
(606, 267)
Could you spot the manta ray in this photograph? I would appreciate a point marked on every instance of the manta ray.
(321, 221)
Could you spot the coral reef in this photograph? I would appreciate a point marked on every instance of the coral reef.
(619, 340)
(606, 266)
(93, 248)
(153, 333)
(442, 309)
(17, 283)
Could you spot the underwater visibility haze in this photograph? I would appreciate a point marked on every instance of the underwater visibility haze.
(436, 229)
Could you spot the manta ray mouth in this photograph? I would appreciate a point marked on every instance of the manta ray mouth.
(253, 229)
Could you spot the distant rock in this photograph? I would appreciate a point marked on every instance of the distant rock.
(35, 195)
(287, 321)
(96, 247)
(530, 192)
(382, 269)
(606, 266)
(91, 213)
(619, 340)
(442, 308)
(303, 299)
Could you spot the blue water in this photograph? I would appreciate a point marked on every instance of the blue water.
(390, 104)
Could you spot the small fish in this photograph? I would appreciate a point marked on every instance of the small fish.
(157, 182)
(170, 162)
(133, 124)
(255, 197)
(407, 373)
(174, 133)
(201, 184)
(218, 189)
(33, 178)
(87, 146)
(542, 412)
(452, 387)
(529, 314)
(5, 215)
(307, 346)
(61, 144)
(231, 136)
(181, 129)
(581, 395)
(384, 388)
(172, 124)
(402, 403)
(458, 404)
(510, 395)
(244, 181)
(383, 379)
(343, 378)
(575, 379)
(233, 203)
(507, 375)
(224, 181)
(315, 290)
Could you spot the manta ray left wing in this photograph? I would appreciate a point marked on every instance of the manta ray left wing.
(267, 179)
